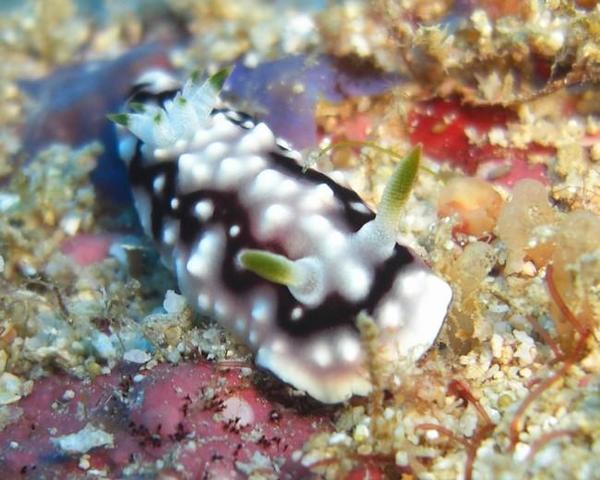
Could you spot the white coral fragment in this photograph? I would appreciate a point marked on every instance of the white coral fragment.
(11, 388)
(84, 440)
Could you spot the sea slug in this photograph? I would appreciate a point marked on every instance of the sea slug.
(283, 256)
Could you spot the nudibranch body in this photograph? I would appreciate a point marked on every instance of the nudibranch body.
(283, 257)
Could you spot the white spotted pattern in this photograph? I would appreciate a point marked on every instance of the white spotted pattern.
(204, 259)
(204, 210)
(308, 222)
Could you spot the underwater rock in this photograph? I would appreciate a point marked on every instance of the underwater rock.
(72, 104)
(171, 417)
(283, 93)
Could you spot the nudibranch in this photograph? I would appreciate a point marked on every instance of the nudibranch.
(283, 256)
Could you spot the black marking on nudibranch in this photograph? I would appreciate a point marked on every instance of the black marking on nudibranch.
(347, 197)
(333, 312)
(225, 200)
(139, 95)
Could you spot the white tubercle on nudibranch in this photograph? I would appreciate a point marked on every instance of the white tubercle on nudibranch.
(283, 257)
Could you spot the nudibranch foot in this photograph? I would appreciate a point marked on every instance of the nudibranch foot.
(283, 256)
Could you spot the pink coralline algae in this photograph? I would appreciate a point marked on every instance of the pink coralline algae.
(440, 125)
(189, 421)
(87, 249)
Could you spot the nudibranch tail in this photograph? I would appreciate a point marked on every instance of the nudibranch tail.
(282, 256)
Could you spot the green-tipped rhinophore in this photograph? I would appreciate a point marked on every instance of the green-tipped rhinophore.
(119, 118)
(137, 107)
(270, 266)
(195, 76)
(217, 80)
(398, 189)
(158, 117)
